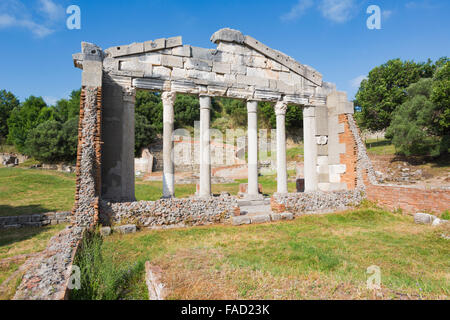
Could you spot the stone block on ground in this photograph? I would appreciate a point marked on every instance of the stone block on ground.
(275, 217)
(126, 229)
(437, 222)
(424, 218)
(105, 231)
(240, 220)
(260, 218)
(287, 216)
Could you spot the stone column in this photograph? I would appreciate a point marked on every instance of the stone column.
(205, 149)
(310, 148)
(168, 99)
(280, 111)
(252, 141)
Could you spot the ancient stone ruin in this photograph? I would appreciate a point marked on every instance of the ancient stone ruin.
(337, 170)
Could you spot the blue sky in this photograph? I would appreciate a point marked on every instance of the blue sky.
(329, 35)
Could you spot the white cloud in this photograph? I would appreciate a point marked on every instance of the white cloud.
(297, 10)
(424, 4)
(386, 14)
(52, 10)
(40, 22)
(338, 10)
(356, 82)
(335, 10)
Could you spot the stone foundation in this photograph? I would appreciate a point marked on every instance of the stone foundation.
(164, 212)
(316, 202)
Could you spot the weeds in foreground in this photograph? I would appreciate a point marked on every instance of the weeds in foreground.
(101, 279)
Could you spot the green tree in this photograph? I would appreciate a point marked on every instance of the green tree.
(294, 118)
(8, 102)
(411, 129)
(187, 111)
(53, 141)
(440, 96)
(385, 89)
(25, 117)
(66, 109)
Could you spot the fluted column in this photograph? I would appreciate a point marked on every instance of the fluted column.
(168, 99)
(205, 149)
(252, 136)
(280, 112)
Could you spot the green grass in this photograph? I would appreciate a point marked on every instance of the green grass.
(380, 147)
(321, 256)
(28, 191)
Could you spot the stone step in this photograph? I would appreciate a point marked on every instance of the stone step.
(246, 203)
(261, 218)
(255, 209)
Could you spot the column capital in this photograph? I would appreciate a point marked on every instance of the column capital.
(168, 97)
(205, 101)
(280, 108)
(252, 106)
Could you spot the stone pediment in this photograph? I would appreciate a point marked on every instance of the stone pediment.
(240, 67)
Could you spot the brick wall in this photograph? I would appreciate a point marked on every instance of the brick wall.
(409, 199)
(349, 158)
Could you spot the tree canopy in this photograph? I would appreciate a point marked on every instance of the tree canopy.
(385, 89)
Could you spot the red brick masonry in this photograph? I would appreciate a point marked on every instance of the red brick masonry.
(409, 199)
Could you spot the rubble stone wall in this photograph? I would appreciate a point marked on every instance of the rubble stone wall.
(48, 274)
(164, 212)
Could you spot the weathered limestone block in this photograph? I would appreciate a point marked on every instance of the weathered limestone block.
(240, 220)
(198, 64)
(183, 51)
(424, 218)
(262, 218)
(221, 67)
(172, 61)
(154, 45)
(228, 35)
(126, 229)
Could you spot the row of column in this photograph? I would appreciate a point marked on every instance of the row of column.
(168, 99)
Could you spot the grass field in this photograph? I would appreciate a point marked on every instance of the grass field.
(312, 257)
(380, 147)
(321, 256)
(28, 191)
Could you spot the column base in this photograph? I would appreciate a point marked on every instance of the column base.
(252, 197)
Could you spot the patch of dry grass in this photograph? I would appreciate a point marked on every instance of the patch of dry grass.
(312, 257)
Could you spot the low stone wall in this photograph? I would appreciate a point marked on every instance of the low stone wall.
(47, 275)
(189, 211)
(35, 220)
(315, 202)
(409, 199)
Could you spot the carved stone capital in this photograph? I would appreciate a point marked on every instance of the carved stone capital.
(168, 97)
(280, 108)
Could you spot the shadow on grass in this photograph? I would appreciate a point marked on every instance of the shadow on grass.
(11, 236)
(380, 143)
(7, 210)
